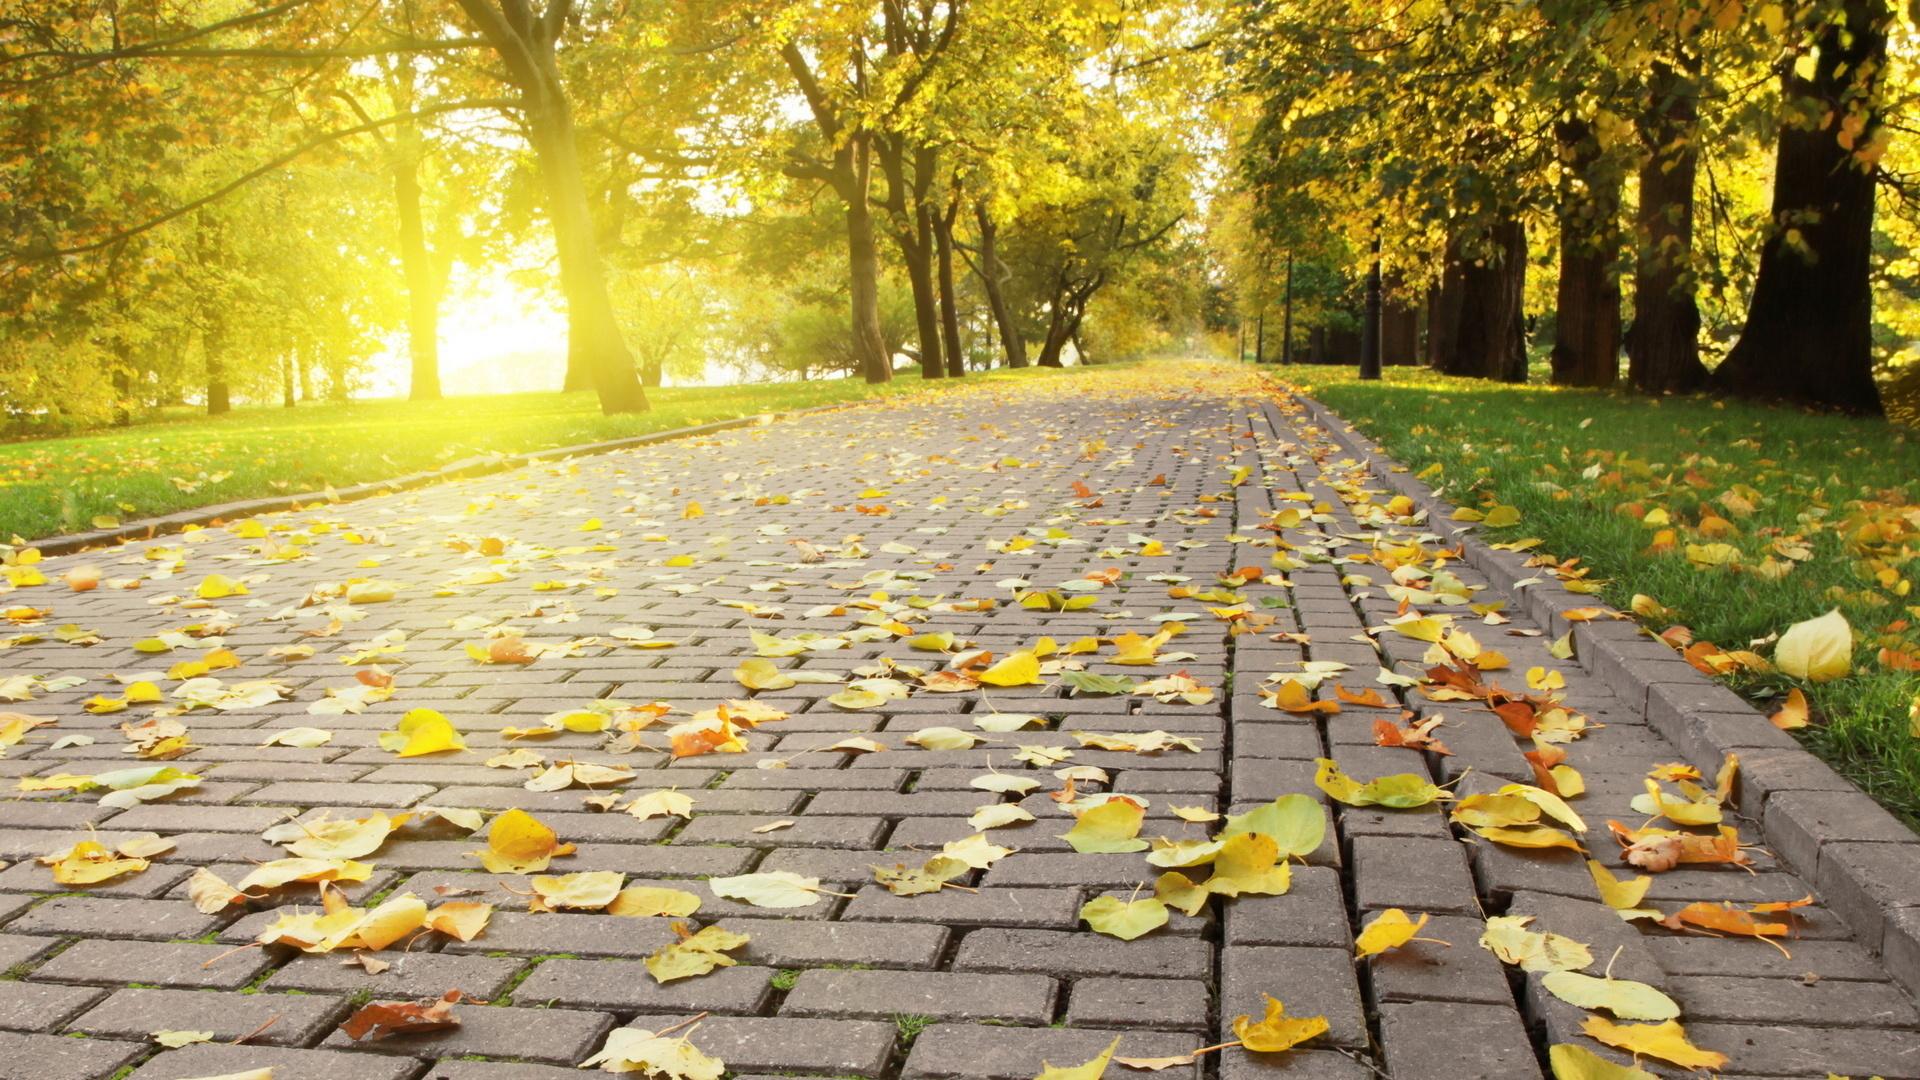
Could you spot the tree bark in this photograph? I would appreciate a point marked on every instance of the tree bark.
(1012, 343)
(1489, 339)
(1663, 344)
(1370, 316)
(949, 296)
(219, 399)
(1586, 347)
(286, 381)
(1809, 330)
(1286, 317)
(1399, 327)
(592, 329)
(1443, 310)
(416, 265)
(854, 164)
(524, 41)
(912, 220)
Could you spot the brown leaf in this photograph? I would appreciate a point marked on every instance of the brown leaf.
(383, 1020)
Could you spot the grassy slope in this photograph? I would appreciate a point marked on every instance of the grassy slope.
(49, 486)
(1818, 477)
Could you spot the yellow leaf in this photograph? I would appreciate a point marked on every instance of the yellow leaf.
(462, 919)
(1818, 650)
(1124, 919)
(1020, 669)
(1572, 1062)
(637, 1050)
(770, 889)
(664, 803)
(327, 839)
(278, 872)
(694, 955)
(588, 890)
(1277, 1031)
(1624, 998)
(90, 863)
(1666, 1041)
(641, 901)
(1508, 938)
(1388, 930)
(421, 731)
(1793, 713)
(757, 673)
(219, 587)
(1111, 827)
(518, 843)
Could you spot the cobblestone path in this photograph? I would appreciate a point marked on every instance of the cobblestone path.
(868, 525)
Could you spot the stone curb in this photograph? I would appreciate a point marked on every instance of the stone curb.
(464, 469)
(1863, 861)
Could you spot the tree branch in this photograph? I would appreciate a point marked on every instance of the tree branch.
(254, 174)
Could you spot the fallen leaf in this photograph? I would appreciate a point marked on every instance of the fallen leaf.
(637, 1050)
(1572, 1062)
(1124, 919)
(1666, 1041)
(1111, 827)
(1277, 1031)
(771, 889)
(1818, 650)
(694, 953)
(519, 843)
(1624, 998)
(1388, 930)
(381, 1020)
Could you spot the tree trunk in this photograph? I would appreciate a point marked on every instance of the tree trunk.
(122, 397)
(854, 165)
(1370, 316)
(1011, 341)
(1489, 341)
(1399, 327)
(1260, 337)
(949, 296)
(1663, 344)
(1444, 299)
(593, 334)
(1586, 346)
(1059, 328)
(416, 264)
(219, 401)
(917, 255)
(1286, 317)
(286, 381)
(1809, 330)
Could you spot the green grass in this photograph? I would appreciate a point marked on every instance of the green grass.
(1585, 467)
(176, 461)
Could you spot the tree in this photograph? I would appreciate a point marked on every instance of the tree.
(524, 40)
(1809, 326)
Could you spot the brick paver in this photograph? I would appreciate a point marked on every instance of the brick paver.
(883, 523)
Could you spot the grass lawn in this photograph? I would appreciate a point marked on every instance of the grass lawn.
(181, 460)
(1819, 512)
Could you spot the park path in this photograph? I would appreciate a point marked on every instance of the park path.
(1175, 474)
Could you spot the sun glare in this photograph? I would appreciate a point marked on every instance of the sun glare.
(497, 336)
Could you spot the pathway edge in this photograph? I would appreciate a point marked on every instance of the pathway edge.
(1818, 822)
(466, 468)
